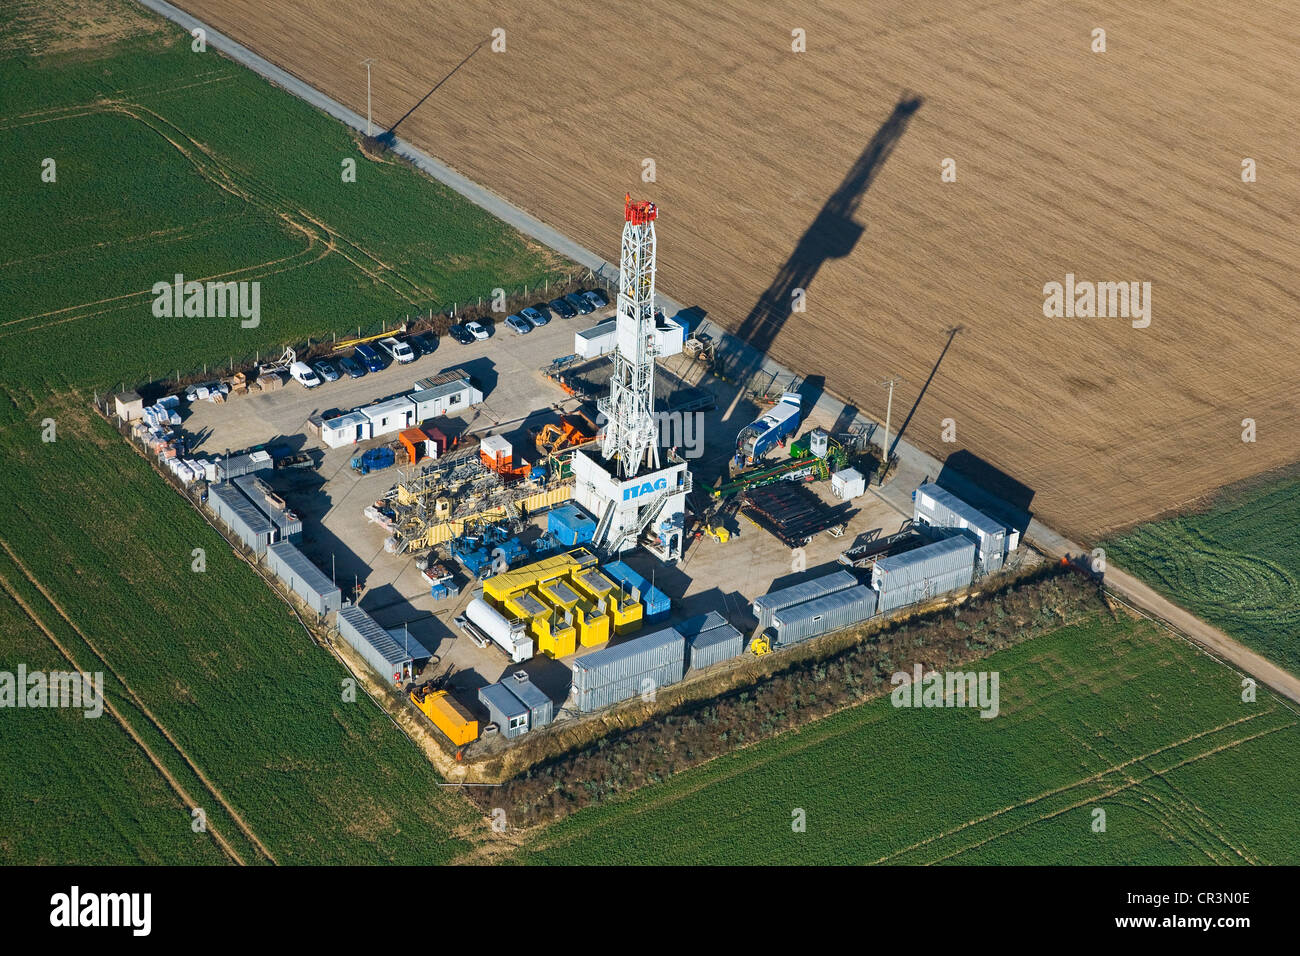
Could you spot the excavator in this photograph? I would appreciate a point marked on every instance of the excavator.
(573, 430)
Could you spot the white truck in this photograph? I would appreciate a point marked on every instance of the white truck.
(400, 351)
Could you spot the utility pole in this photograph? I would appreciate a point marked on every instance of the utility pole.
(368, 61)
(884, 448)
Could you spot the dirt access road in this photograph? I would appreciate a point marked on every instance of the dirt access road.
(778, 170)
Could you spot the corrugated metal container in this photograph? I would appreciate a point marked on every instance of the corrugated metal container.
(714, 644)
(263, 496)
(303, 578)
(694, 626)
(391, 660)
(940, 508)
(766, 605)
(924, 573)
(830, 612)
(656, 603)
(571, 525)
(618, 673)
(247, 523)
(916, 592)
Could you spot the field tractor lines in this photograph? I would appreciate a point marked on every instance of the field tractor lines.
(1158, 806)
(199, 227)
(1131, 785)
(1047, 794)
(135, 698)
(186, 800)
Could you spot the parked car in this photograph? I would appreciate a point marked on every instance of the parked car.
(596, 298)
(370, 356)
(351, 367)
(477, 329)
(424, 343)
(535, 318)
(565, 310)
(398, 349)
(579, 303)
(520, 325)
(543, 308)
(460, 334)
(301, 372)
(325, 370)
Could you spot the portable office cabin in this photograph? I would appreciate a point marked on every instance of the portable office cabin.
(765, 605)
(391, 659)
(830, 612)
(390, 416)
(516, 705)
(710, 640)
(597, 340)
(924, 573)
(347, 429)
(444, 398)
(617, 673)
(303, 578)
(940, 508)
(245, 521)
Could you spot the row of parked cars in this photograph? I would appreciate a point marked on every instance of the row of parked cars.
(376, 356)
(566, 307)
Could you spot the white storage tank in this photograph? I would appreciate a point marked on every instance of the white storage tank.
(508, 635)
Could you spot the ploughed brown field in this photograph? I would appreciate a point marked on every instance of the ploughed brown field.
(1118, 166)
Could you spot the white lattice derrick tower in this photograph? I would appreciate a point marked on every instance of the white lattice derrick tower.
(631, 437)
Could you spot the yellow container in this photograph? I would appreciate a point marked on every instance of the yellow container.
(449, 716)
(593, 626)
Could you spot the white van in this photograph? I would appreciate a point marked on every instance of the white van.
(302, 373)
(400, 351)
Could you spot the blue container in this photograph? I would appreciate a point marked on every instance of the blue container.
(655, 604)
(571, 525)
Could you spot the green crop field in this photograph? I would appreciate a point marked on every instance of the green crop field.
(169, 161)
(172, 161)
(1106, 715)
(1237, 565)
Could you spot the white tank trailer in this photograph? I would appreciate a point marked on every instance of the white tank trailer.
(509, 635)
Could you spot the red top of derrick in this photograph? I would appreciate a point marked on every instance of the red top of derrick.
(639, 212)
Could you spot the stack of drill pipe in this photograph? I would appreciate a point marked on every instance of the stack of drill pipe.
(789, 511)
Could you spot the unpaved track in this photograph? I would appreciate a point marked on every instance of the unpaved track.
(1116, 166)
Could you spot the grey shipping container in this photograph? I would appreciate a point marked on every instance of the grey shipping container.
(766, 605)
(303, 578)
(256, 489)
(246, 522)
(940, 508)
(617, 673)
(714, 645)
(392, 660)
(830, 612)
(516, 705)
(694, 626)
(924, 573)
(594, 698)
(630, 659)
(949, 554)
